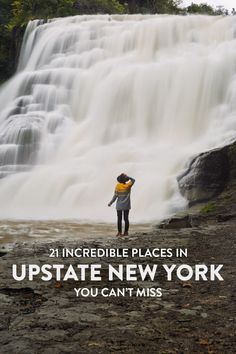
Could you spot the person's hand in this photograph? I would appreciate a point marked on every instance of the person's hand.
(126, 177)
(109, 204)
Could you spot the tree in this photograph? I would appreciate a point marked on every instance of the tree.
(6, 61)
(26, 10)
(220, 10)
(152, 6)
(100, 7)
(203, 9)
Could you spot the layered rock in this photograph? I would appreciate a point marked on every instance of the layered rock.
(209, 174)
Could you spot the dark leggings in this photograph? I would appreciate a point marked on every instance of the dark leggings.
(125, 214)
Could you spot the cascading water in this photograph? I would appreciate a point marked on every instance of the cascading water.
(95, 96)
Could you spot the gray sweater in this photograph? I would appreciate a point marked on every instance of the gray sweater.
(122, 195)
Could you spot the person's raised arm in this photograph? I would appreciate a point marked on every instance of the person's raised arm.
(131, 181)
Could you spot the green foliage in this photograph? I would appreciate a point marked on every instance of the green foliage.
(152, 6)
(203, 9)
(100, 7)
(6, 63)
(208, 208)
(5, 11)
(26, 10)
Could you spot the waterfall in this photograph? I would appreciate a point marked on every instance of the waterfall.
(95, 96)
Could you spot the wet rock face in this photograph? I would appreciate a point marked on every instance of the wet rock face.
(206, 176)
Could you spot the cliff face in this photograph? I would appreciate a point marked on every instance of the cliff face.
(211, 176)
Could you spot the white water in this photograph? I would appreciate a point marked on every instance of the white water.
(95, 96)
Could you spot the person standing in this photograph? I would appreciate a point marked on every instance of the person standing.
(123, 204)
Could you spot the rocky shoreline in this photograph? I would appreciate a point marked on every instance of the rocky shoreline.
(46, 317)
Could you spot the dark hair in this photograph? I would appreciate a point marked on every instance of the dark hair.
(122, 178)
